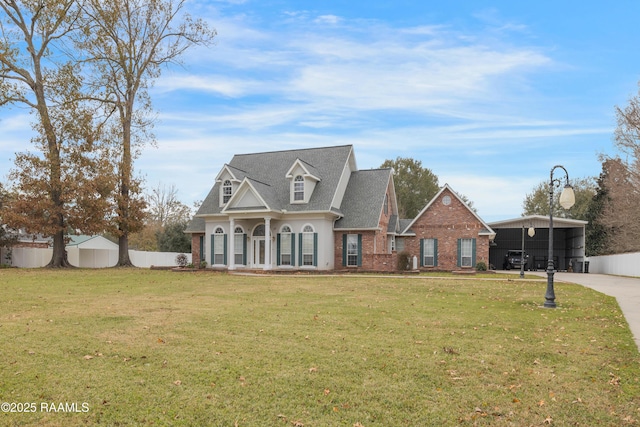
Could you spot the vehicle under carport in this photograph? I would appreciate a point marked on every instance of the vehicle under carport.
(568, 242)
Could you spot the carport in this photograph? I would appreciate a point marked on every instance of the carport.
(568, 242)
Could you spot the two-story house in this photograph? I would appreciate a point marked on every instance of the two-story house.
(313, 209)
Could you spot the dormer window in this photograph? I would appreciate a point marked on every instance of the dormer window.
(303, 178)
(298, 189)
(227, 190)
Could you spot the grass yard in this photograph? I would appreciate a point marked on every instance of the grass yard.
(140, 347)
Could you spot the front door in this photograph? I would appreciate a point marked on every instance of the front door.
(258, 246)
(258, 252)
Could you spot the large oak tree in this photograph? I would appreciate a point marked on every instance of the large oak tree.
(415, 185)
(57, 188)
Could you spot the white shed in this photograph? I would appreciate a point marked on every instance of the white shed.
(92, 252)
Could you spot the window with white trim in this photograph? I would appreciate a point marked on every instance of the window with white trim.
(308, 246)
(466, 252)
(285, 246)
(218, 246)
(298, 189)
(352, 250)
(429, 253)
(238, 246)
(227, 191)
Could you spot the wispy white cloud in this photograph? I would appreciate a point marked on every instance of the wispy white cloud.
(328, 19)
(453, 98)
(421, 70)
(221, 85)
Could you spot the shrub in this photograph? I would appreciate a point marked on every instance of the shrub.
(404, 261)
(481, 266)
(182, 260)
(203, 264)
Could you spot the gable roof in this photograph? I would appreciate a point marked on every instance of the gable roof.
(309, 170)
(259, 191)
(268, 174)
(487, 230)
(363, 199)
(236, 174)
(90, 242)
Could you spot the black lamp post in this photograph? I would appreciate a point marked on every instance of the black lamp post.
(567, 199)
(531, 232)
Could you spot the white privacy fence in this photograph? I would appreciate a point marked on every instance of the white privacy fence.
(92, 258)
(620, 264)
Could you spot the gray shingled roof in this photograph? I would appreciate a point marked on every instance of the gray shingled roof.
(196, 225)
(363, 199)
(271, 167)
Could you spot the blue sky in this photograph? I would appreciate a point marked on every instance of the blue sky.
(489, 95)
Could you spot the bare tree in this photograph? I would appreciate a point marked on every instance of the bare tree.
(127, 44)
(620, 184)
(165, 208)
(620, 215)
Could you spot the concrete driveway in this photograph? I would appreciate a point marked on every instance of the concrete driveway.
(626, 290)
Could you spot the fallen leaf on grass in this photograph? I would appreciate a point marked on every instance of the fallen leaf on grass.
(615, 380)
(88, 357)
(313, 369)
(449, 350)
(161, 341)
(326, 391)
(177, 382)
(548, 420)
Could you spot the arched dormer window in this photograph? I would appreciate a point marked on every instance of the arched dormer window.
(298, 189)
(227, 191)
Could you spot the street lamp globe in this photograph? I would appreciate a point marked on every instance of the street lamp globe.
(567, 198)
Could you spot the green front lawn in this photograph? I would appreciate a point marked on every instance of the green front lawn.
(141, 347)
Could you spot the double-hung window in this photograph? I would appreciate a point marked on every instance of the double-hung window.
(239, 246)
(466, 252)
(218, 250)
(429, 252)
(227, 191)
(352, 250)
(298, 189)
(308, 242)
(285, 246)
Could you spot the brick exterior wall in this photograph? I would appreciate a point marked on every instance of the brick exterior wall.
(448, 223)
(375, 244)
(372, 260)
(195, 249)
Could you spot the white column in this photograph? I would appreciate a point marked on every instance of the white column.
(267, 243)
(232, 244)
